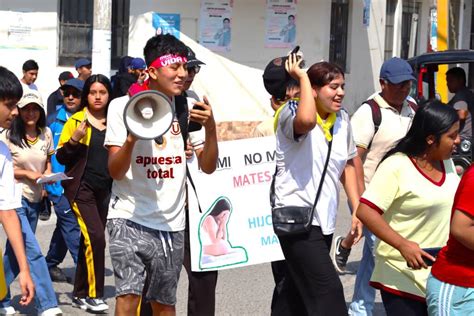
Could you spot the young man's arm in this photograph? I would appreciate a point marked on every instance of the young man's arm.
(11, 225)
(120, 158)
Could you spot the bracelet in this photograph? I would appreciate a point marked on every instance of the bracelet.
(73, 140)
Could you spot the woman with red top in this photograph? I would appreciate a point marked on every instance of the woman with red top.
(450, 287)
(407, 206)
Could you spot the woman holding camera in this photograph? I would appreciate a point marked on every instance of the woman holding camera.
(407, 206)
(82, 152)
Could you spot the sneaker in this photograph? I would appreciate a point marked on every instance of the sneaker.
(55, 311)
(8, 310)
(95, 305)
(57, 275)
(45, 212)
(340, 255)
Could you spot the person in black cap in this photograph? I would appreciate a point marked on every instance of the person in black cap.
(84, 68)
(202, 285)
(56, 98)
(281, 88)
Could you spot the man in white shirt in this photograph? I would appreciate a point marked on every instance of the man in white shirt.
(146, 218)
(10, 92)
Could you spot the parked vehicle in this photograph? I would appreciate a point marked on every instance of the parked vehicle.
(426, 68)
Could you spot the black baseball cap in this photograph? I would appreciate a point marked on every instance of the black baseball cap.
(192, 60)
(275, 76)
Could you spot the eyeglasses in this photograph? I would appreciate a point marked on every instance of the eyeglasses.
(74, 93)
(194, 69)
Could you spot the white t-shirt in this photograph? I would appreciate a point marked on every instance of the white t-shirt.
(11, 191)
(152, 192)
(300, 163)
(393, 127)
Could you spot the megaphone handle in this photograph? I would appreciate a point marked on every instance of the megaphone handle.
(159, 140)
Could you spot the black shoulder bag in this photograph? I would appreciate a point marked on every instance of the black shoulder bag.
(293, 220)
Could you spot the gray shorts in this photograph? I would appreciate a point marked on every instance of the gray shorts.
(142, 254)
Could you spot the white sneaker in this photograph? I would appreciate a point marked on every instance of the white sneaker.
(96, 305)
(9, 310)
(54, 311)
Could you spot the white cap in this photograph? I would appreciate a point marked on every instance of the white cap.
(30, 96)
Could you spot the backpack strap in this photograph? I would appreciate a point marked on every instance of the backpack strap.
(413, 105)
(376, 117)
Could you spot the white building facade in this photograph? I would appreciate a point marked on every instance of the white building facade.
(357, 34)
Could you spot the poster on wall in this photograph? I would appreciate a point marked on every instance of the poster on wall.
(21, 32)
(280, 24)
(366, 13)
(235, 226)
(165, 23)
(215, 24)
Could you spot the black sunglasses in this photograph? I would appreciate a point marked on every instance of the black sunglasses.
(74, 93)
(194, 69)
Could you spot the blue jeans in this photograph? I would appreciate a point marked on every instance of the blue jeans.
(364, 294)
(45, 297)
(66, 235)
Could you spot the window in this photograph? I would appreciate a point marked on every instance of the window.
(389, 25)
(75, 30)
(338, 37)
(76, 25)
(470, 77)
(410, 14)
(120, 26)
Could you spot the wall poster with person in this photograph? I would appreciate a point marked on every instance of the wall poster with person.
(215, 24)
(235, 226)
(280, 24)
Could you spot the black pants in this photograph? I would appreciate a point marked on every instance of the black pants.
(202, 286)
(311, 286)
(396, 305)
(90, 208)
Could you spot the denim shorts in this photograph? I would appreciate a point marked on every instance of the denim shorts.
(142, 254)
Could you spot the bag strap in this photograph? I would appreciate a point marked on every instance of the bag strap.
(182, 112)
(376, 117)
(323, 174)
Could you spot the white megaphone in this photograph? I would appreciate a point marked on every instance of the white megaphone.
(148, 114)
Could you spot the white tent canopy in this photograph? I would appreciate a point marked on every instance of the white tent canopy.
(235, 91)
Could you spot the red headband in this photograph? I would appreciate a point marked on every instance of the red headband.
(166, 60)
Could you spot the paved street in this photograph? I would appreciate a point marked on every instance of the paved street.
(243, 291)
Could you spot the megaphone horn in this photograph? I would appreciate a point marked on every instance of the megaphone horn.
(148, 114)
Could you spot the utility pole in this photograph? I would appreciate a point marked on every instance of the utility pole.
(101, 37)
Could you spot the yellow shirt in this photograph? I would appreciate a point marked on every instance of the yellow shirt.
(415, 207)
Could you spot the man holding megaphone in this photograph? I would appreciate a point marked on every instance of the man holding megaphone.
(146, 218)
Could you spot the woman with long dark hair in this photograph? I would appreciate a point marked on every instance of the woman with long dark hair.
(407, 206)
(304, 130)
(31, 145)
(81, 151)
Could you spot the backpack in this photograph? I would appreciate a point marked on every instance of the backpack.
(377, 115)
